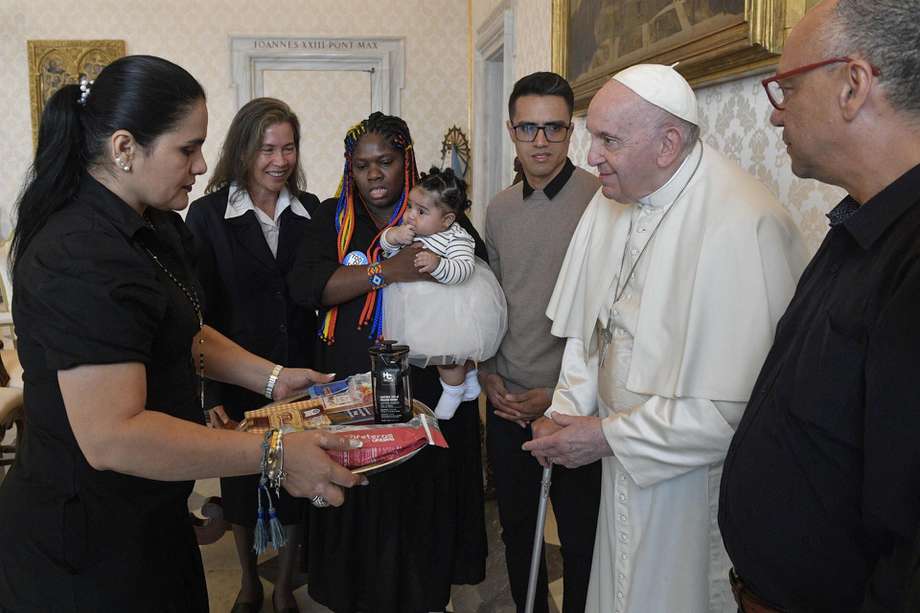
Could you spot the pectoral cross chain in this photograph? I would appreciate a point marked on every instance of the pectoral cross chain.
(606, 337)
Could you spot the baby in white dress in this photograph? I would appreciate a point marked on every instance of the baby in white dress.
(461, 319)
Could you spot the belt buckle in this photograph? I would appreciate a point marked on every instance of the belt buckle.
(740, 591)
(737, 588)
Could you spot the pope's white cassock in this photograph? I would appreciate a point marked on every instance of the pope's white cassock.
(694, 319)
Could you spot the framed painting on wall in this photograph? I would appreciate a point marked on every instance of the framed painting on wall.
(55, 63)
(714, 40)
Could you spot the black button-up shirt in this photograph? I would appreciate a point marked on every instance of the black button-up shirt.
(820, 497)
(86, 291)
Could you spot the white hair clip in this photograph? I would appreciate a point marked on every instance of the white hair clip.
(85, 85)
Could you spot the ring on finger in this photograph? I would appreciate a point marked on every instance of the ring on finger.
(319, 502)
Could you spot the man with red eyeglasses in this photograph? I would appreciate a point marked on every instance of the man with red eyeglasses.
(820, 497)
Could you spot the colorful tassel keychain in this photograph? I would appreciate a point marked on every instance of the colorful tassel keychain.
(269, 532)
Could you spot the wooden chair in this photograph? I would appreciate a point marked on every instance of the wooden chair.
(211, 527)
(11, 415)
(6, 291)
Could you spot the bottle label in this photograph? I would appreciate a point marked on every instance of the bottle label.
(389, 395)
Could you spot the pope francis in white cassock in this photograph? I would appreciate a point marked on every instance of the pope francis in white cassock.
(668, 300)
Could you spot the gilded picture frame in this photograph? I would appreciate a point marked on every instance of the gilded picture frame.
(55, 63)
(713, 40)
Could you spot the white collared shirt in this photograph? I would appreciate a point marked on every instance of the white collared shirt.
(239, 202)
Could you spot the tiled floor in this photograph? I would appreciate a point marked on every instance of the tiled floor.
(490, 596)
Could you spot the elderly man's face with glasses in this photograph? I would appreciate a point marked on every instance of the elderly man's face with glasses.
(540, 130)
(804, 96)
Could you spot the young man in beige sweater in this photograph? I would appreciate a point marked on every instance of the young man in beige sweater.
(528, 229)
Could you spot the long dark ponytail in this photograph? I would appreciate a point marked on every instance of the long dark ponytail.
(54, 176)
(145, 95)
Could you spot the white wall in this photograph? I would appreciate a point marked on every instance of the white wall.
(195, 35)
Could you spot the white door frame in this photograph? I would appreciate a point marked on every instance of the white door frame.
(382, 57)
(494, 38)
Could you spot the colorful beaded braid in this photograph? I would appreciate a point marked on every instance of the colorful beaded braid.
(398, 136)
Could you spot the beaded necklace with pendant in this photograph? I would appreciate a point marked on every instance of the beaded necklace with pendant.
(192, 296)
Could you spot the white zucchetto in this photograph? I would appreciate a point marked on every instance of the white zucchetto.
(662, 86)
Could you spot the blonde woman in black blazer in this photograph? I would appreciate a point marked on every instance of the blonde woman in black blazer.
(248, 230)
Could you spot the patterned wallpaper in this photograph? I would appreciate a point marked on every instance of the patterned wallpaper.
(322, 126)
(482, 9)
(195, 35)
(533, 49)
(734, 120)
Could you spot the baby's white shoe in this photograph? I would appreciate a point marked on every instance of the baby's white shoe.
(471, 389)
(450, 399)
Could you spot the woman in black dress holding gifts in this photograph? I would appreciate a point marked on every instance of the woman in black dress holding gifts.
(93, 514)
(247, 232)
(399, 544)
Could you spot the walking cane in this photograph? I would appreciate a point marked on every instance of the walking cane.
(538, 539)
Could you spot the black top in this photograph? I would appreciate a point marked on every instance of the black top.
(913, 596)
(244, 284)
(396, 545)
(247, 300)
(819, 502)
(555, 186)
(73, 538)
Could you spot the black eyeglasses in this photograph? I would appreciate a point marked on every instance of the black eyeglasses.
(775, 91)
(553, 132)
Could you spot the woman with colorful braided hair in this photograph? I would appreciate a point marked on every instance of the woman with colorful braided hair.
(398, 544)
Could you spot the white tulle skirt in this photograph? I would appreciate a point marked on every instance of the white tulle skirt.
(447, 324)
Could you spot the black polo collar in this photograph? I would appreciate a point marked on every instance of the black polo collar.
(555, 186)
(867, 222)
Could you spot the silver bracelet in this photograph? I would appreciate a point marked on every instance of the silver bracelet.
(272, 380)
